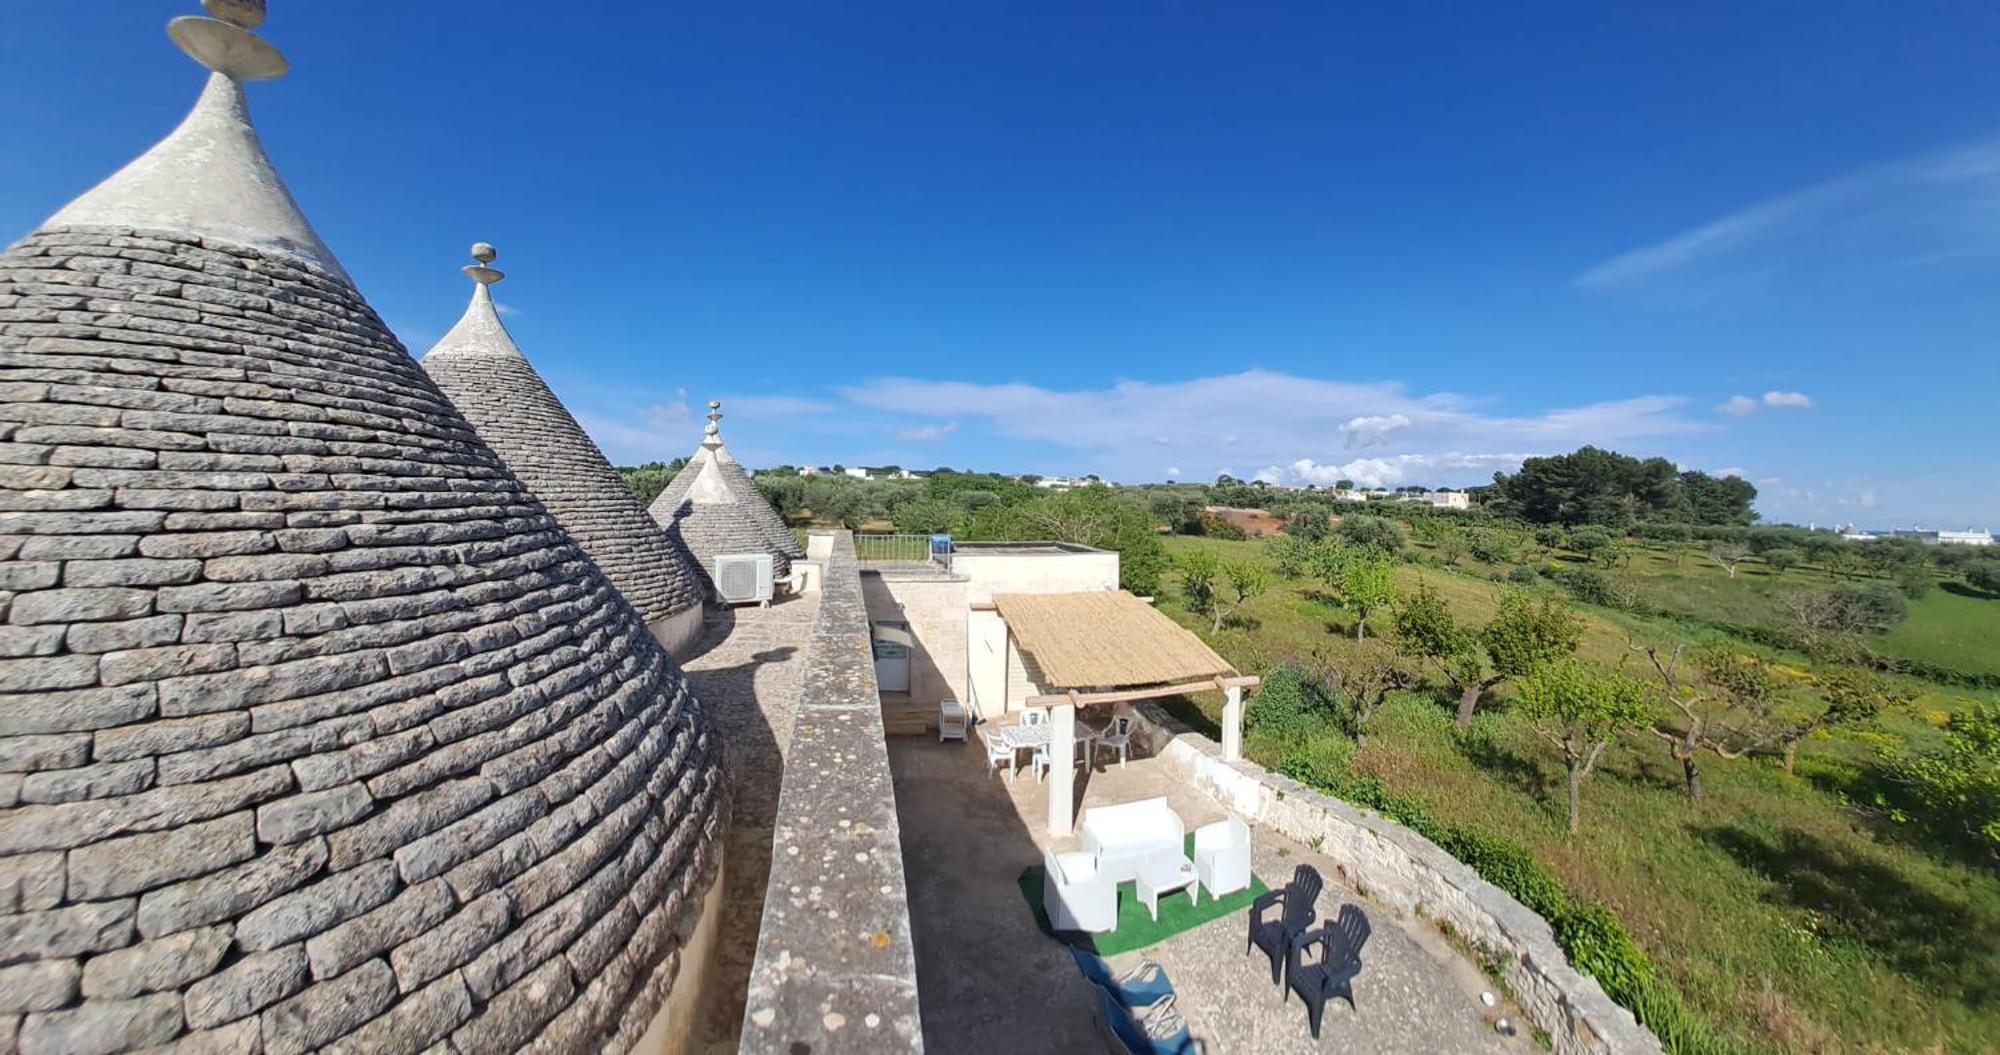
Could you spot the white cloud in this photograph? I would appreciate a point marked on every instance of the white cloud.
(1173, 471)
(1926, 209)
(1866, 499)
(505, 310)
(1266, 418)
(1438, 469)
(1270, 475)
(773, 406)
(1742, 406)
(1369, 430)
(1734, 470)
(928, 433)
(662, 434)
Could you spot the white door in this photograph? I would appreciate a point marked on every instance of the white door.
(892, 656)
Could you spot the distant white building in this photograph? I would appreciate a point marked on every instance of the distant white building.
(1965, 538)
(857, 472)
(1442, 499)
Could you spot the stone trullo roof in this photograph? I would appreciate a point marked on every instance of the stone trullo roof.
(483, 371)
(316, 730)
(714, 507)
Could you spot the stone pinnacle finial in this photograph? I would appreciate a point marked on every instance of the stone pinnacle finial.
(711, 433)
(225, 44)
(480, 273)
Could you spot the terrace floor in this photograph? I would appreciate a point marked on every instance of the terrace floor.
(989, 979)
(745, 670)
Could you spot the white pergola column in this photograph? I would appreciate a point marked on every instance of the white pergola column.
(1062, 767)
(1232, 723)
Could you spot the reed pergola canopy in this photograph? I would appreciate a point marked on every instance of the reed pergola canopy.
(1105, 640)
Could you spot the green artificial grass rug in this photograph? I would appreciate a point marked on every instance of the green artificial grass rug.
(1136, 927)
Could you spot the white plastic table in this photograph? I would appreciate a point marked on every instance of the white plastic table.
(1022, 736)
(1164, 874)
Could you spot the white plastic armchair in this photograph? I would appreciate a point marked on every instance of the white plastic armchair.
(998, 752)
(1116, 737)
(1222, 856)
(1077, 895)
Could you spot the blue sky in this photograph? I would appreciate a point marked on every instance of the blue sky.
(1396, 243)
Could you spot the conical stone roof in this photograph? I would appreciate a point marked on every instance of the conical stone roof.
(316, 730)
(483, 371)
(714, 508)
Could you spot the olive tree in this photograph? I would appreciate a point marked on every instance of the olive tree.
(1244, 580)
(1724, 698)
(1580, 711)
(1523, 635)
(1727, 555)
(1368, 586)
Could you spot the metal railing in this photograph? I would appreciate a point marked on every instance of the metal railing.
(880, 549)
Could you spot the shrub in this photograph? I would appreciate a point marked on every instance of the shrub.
(1291, 703)
(1490, 547)
(1376, 532)
(1216, 527)
(1585, 584)
(1522, 575)
(1872, 607)
(1322, 760)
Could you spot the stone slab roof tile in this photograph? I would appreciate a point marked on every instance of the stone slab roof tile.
(316, 728)
(479, 366)
(713, 507)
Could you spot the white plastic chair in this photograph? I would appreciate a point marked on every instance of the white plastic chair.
(1222, 856)
(1116, 737)
(1086, 743)
(1076, 895)
(998, 753)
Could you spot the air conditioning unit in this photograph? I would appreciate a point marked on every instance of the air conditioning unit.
(743, 578)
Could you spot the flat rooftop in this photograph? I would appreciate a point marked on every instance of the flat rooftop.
(1022, 549)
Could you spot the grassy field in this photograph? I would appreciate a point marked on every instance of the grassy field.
(1791, 921)
(1951, 628)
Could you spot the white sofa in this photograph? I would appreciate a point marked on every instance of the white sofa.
(1125, 835)
(1222, 856)
(1077, 895)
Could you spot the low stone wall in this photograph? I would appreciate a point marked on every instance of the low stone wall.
(835, 971)
(1412, 876)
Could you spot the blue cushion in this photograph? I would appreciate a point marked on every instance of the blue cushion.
(1138, 994)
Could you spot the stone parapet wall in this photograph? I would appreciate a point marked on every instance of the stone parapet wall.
(835, 970)
(1411, 875)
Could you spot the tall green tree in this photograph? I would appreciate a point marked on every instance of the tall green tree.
(1580, 711)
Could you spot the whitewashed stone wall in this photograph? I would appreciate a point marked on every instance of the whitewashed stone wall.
(1411, 875)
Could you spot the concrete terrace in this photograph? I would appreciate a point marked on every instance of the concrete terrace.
(746, 672)
(987, 974)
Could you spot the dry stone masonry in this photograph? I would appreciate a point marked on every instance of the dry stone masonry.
(714, 508)
(483, 371)
(316, 729)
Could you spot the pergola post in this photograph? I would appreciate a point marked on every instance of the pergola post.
(1062, 767)
(1232, 723)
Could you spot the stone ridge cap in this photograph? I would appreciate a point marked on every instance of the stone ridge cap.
(478, 332)
(209, 177)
